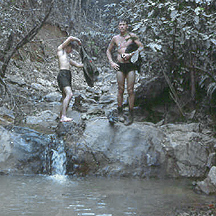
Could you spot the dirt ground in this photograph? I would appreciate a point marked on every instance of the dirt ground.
(37, 63)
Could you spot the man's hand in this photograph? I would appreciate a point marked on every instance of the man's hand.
(126, 56)
(79, 42)
(114, 65)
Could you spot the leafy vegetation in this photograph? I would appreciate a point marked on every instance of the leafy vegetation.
(179, 36)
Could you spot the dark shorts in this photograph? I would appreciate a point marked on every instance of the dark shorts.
(126, 67)
(64, 79)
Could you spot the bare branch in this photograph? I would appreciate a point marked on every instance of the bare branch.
(29, 36)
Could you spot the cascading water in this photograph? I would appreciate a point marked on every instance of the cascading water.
(59, 160)
(56, 159)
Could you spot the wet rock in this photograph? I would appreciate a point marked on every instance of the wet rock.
(120, 150)
(5, 146)
(22, 150)
(70, 129)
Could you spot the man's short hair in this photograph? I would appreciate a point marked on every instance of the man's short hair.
(126, 20)
(73, 45)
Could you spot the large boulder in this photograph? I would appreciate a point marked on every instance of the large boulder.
(188, 148)
(98, 148)
(22, 150)
(141, 149)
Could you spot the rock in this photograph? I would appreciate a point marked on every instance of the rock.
(43, 82)
(135, 150)
(187, 149)
(152, 90)
(42, 118)
(142, 149)
(211, 160)
(208, 186)
(5, 145)
(22, 150)
(107, 99)
(16, 79)
(38, 87)
(45, 121)
(53, 97)
(6, 116)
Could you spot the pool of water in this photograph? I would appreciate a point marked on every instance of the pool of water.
(65, 196)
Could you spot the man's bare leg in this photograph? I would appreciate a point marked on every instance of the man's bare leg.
(121, 85)
(66, 100)
(130, 89)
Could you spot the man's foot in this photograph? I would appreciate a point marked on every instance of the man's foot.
(121, 118)
(129, 119)
(65, 119)
(120, 114)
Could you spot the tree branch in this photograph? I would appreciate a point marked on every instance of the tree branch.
(30, 35)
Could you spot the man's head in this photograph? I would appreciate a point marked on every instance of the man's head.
(72, 45)
(123, 25)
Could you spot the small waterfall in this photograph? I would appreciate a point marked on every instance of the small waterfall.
(56, 159)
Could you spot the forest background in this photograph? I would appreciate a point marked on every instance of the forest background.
(179, 39)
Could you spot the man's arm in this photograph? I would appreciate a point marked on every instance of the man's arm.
(127, 56)
(109, 49)
(67, 41)
(140, 45)
(76, 64)
(109, 54)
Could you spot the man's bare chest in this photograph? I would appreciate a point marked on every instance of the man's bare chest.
(122, 42)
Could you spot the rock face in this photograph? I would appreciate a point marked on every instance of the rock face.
(188, 147)
(98, 148)
(142, 149)
(119, 150)
(23, 151)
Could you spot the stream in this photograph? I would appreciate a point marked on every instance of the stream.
(60, 195)
(56, 194)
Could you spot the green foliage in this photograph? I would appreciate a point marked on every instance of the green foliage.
(179, 36)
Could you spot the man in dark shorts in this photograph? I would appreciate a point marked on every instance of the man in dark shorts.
(125, 69)
(64, 76)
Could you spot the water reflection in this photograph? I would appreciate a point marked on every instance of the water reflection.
(65, 196)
